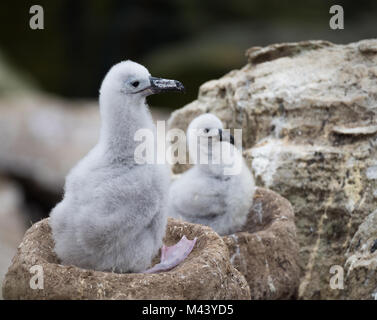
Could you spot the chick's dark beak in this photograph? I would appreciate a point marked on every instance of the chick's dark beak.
(226, 136)
(159, 85)
(231, 139)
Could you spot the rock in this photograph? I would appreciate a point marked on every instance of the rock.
(308, 114)
(266, 250)
(361, 265)
(12, 223)
(205, 274)
(43, 137)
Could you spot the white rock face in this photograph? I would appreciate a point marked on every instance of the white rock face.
(308, 112)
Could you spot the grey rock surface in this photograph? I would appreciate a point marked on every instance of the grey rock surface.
(42, 137)
(12, 223)
(361, 266)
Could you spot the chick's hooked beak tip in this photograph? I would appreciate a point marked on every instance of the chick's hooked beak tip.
(159, 85)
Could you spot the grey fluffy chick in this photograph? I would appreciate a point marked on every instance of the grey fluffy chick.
(113, 214)
(207, 193)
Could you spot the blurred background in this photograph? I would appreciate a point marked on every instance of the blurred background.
(49, 79)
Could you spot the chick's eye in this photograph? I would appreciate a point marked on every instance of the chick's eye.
(206, 130)
(135, 84)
